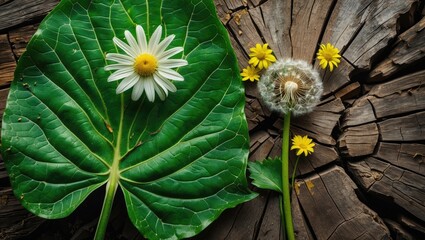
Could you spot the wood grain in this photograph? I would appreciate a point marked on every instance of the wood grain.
(408, 50)
(377, 27)
(359, 141)
(331, 195)
(7, 61)
(16, 12)
(370, 120)
(403, 187)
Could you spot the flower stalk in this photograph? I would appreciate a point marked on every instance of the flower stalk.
(292, 88)
(285, 179)
(293, 172)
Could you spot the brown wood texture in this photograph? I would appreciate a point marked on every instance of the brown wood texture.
(366, 178)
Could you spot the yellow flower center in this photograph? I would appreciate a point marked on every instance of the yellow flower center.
(261, 55)
(303, 146)
(145, 64)
(328, 55)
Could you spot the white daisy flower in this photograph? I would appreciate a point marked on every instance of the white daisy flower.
(146, 67)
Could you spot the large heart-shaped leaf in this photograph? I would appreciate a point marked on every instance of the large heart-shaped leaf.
(179, 162)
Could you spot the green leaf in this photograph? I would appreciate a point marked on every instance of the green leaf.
(267, 174)
(180, 162)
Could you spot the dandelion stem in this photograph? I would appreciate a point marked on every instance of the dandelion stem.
(285, 178)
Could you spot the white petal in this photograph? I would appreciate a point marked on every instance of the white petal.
(170, 74)
(141, 38)
(117, 66)
(149, 89)
(124, 46)
(121, 73)
(132, 42)
(163, 45)
(120, 58)
(169, 53)
(127, 83)
(164, 84)
(153, 42)
(172, 63)
(137, 91)
(160, 92)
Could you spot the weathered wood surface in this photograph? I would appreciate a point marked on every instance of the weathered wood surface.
(16, 12)
(333, 209)
(366, 178)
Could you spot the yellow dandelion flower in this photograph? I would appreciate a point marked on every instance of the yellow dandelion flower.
(303, 144)
(328, 55)
(251, 73)
(261, 56)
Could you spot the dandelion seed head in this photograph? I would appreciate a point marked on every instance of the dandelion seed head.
(291, 86)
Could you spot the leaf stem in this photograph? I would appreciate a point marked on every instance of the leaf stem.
(285, 178)
(111, 189)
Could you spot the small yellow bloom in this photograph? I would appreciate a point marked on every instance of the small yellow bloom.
(328, 55)
(303, 144)
(261, 56)
(250, 73)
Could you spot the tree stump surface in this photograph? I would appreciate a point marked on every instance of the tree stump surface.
(366, 178)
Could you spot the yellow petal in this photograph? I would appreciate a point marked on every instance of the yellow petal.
(299, 152)
(271, 58)
(323, 63)
(265, 64)
(253, 61)
(260, 64)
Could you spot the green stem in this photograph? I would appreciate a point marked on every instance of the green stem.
(282, 217)
(285, 178)
(293, 172)
(111, 189)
